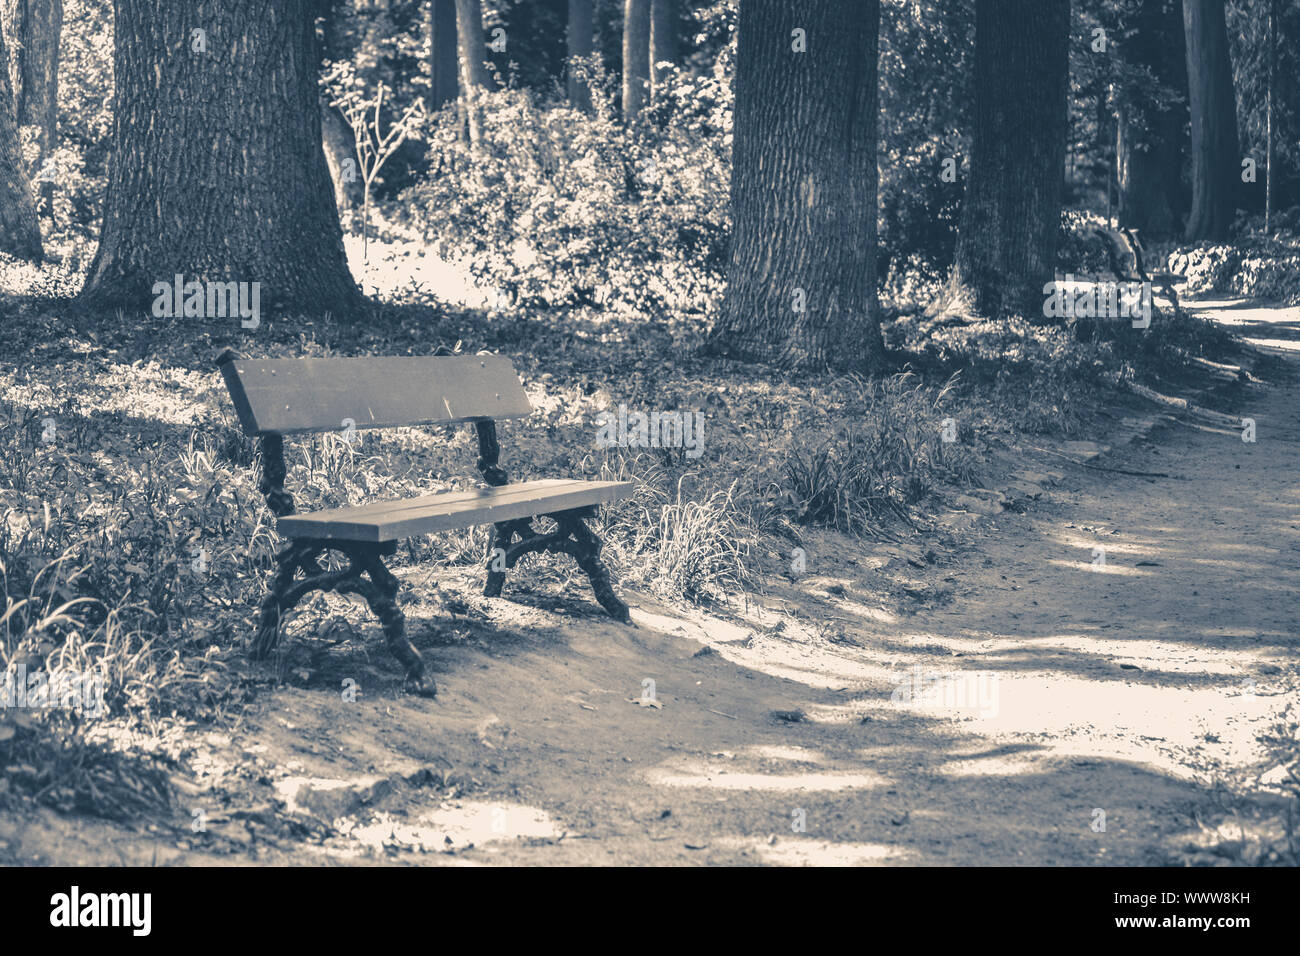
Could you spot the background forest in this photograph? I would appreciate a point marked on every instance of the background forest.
(642, 223)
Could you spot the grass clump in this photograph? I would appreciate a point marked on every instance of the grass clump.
(896, 450)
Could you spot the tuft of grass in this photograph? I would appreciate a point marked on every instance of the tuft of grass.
(699, 548)
(881, 465)
(50, 760)
(675, 535)
(1283, 741)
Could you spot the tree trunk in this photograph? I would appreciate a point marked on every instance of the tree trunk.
(473, 48)
(1011, 217)
(20, 234)
(340, 157)
(444, 65)
(1146, 159)
(663, 43)
(580, 43)
(34, 30)
(218, 174)
(1215, 163)
(1268, 133)
(636, 57)
(474, 76)
(1149, 150)
(801, 288)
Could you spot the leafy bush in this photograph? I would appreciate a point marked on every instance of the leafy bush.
(1081, 250)
(1258, 267)
(910, 284)
(925, 97)
(556, 207)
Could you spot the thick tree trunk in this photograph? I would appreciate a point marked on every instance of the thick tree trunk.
(1011, 217)
(636, 57)
(20, 234)
(1215, 164)
(801, 289)
(1150, 138)
(34, 30)
(663, 42)
(218, 173)
(444, 64)
(579, 45)
(1147, 158)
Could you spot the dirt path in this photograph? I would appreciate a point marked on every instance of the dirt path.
(990, 712)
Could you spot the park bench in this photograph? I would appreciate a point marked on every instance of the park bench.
(278, 397)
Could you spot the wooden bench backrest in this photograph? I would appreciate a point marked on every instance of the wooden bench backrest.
(296, 396)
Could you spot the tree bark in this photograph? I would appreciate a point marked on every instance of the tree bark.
(1213, 102)
(20, 234)
(473, 48)
(217, 171)
(444, 66)
(1268, 107)
(1011, 216)
(579, 45)
(340, 157)
(663, 43)
(636, 57)
(474, 76)
(801, 289)
(34, 31)
(1150, 140)
(1147, 159)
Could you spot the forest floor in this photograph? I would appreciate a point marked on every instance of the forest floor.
(1019, 697)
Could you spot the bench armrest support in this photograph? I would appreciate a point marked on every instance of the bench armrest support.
(489, 451)
(271, 484)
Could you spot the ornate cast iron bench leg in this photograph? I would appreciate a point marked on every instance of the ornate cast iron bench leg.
(287, 563)
(380, 591)
(588, 558)
(571, 537)
(503, 536)
(381, 594)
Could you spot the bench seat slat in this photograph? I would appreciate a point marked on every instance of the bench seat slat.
(393, 520)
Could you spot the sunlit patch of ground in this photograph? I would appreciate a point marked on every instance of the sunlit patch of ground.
(1270, 327)
(794, 850)
(461, 825)
(717, 777)
(399, 268)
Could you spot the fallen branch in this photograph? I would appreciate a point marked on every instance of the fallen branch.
(1184, 405)
(1117, 471)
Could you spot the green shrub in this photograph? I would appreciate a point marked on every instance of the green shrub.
(1081, 249)
(556, 207)
(1254, 266)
